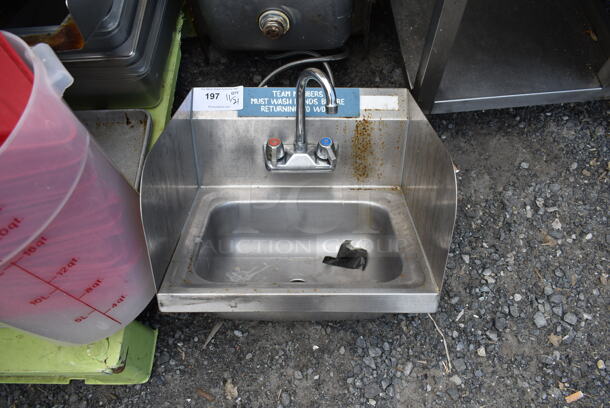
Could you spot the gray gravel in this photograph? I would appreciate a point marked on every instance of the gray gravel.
(525, 302)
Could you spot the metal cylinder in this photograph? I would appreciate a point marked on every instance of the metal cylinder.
(274, 24)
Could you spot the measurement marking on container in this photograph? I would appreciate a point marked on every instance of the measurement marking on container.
(39, 299)
(83, 317)
(64, 269)
(91, 288)
(11, 226)
(116, 303)
(93, 308)
(31, 250)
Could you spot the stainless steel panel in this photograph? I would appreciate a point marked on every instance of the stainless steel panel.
(430, 191)
(369, 146)
(171, 183)
(295, 304)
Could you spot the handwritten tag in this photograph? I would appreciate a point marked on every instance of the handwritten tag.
(218, 99)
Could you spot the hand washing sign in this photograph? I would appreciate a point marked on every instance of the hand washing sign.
(282, 102)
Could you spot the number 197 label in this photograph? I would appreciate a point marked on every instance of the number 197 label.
(214, 99)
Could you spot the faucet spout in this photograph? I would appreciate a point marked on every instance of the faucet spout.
(300, 143)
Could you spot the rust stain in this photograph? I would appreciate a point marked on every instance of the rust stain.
(66, 37)
(362, 150)
(119, 369)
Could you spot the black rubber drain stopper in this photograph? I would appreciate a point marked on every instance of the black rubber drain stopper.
(348, 257)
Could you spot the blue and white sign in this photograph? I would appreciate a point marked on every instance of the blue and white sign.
(282, 102)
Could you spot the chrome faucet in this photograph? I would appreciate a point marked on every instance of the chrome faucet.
(300, 144)
(302, 156)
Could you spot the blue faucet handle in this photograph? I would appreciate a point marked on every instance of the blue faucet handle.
(326, 150)
(326, 141)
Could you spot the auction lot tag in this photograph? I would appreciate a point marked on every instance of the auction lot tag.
(282, 102)
(218, 99)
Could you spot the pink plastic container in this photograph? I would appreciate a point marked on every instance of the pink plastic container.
(73, 260)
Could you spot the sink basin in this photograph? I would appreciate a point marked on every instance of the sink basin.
(283, 242)
(226, 236)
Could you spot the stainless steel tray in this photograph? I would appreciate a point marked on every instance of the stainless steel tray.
(123, 134)
(468, 55)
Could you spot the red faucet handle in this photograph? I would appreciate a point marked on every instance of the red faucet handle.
(274, 141)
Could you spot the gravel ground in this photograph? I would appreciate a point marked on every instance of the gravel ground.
(524, 308)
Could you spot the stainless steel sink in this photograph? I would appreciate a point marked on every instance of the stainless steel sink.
(227, 236)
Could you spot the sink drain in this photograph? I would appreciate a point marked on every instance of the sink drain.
(297, 280)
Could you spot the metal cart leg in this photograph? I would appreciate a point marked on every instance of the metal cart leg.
(444, 25)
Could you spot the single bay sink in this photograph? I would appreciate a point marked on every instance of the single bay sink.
(279, 242)
(227, 236)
